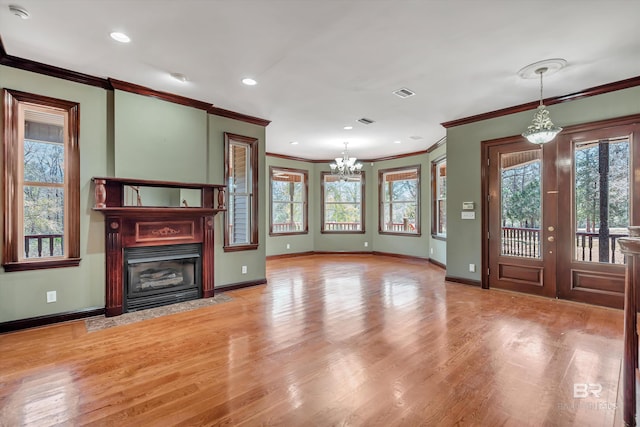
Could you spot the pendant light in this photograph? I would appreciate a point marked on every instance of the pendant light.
(541, 130)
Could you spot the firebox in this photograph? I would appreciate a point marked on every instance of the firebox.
(161, 275)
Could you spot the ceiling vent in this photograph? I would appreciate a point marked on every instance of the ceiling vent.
(415, 137)
(403, 92)
(20, 12)
(365, 121)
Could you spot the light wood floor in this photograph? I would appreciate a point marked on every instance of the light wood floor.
(331, 340)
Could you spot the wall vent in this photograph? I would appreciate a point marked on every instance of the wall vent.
(365, 121)
(403, 92)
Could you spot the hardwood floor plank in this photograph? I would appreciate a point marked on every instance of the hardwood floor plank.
(331, 340)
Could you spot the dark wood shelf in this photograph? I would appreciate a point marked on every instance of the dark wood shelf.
(155, 183)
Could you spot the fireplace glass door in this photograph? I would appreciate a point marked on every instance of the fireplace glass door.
(161, 275)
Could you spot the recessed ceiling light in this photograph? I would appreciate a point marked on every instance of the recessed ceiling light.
(294, 143)
(348, 127)
(20, 12)
(120, 37)
(179, 77)
(397, 142)
(249, 81)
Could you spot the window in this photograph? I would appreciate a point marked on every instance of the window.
(439, 197)
(342, 204)
(42, 185)
(399, 201)
(288, 201)
(241, 176)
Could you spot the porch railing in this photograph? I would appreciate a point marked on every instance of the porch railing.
(342, 226)
(405, 226)
(587, 244)
(525, 242)
(284, 227)
(43, 242)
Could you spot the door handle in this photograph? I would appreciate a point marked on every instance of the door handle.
(551, 238)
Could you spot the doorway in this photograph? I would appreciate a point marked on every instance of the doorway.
(553, 213)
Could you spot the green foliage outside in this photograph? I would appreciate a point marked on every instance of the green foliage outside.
(43, 194)
(521, 190)
(342, 201)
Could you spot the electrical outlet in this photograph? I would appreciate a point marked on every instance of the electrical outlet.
(472, 268)
(366, 244)
(431, 251)
(244, 269)
(52, 296)
(288, 246)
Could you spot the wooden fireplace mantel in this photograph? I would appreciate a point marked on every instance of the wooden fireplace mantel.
(135, 226)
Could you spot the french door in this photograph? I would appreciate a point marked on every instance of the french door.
(553, 213)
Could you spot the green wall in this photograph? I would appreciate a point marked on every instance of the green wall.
(228, 266)
(463, 166)
(23, 294)
(159, 140)
(133, 136)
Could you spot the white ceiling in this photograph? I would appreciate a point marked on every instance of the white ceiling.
(322, 64)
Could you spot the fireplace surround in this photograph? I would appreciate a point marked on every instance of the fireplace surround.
(171, 247)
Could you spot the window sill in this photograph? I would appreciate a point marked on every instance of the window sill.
(288, 233)
(240, 248)
(342, 232)
(41, 265)
(437, 237)
(399, 233)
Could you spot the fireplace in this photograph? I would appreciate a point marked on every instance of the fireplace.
(157, 255)
(161, 275)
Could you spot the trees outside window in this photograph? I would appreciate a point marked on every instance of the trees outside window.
(289, 201)
(602, 196)
(42, 186)
(342, 204)
(399, 201)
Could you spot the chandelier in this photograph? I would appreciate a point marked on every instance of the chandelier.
(345, 167)
(541, 130)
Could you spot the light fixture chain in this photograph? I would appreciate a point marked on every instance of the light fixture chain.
(541, 88)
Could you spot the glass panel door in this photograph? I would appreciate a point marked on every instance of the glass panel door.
(521, 203)
(522, 217)
(602, 204)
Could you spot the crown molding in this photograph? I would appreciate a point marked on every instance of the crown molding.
(442, 141)
(593, 91)
(284, 156)
(165, 96)
(216, 111)
(50, 70)
(301, 159)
